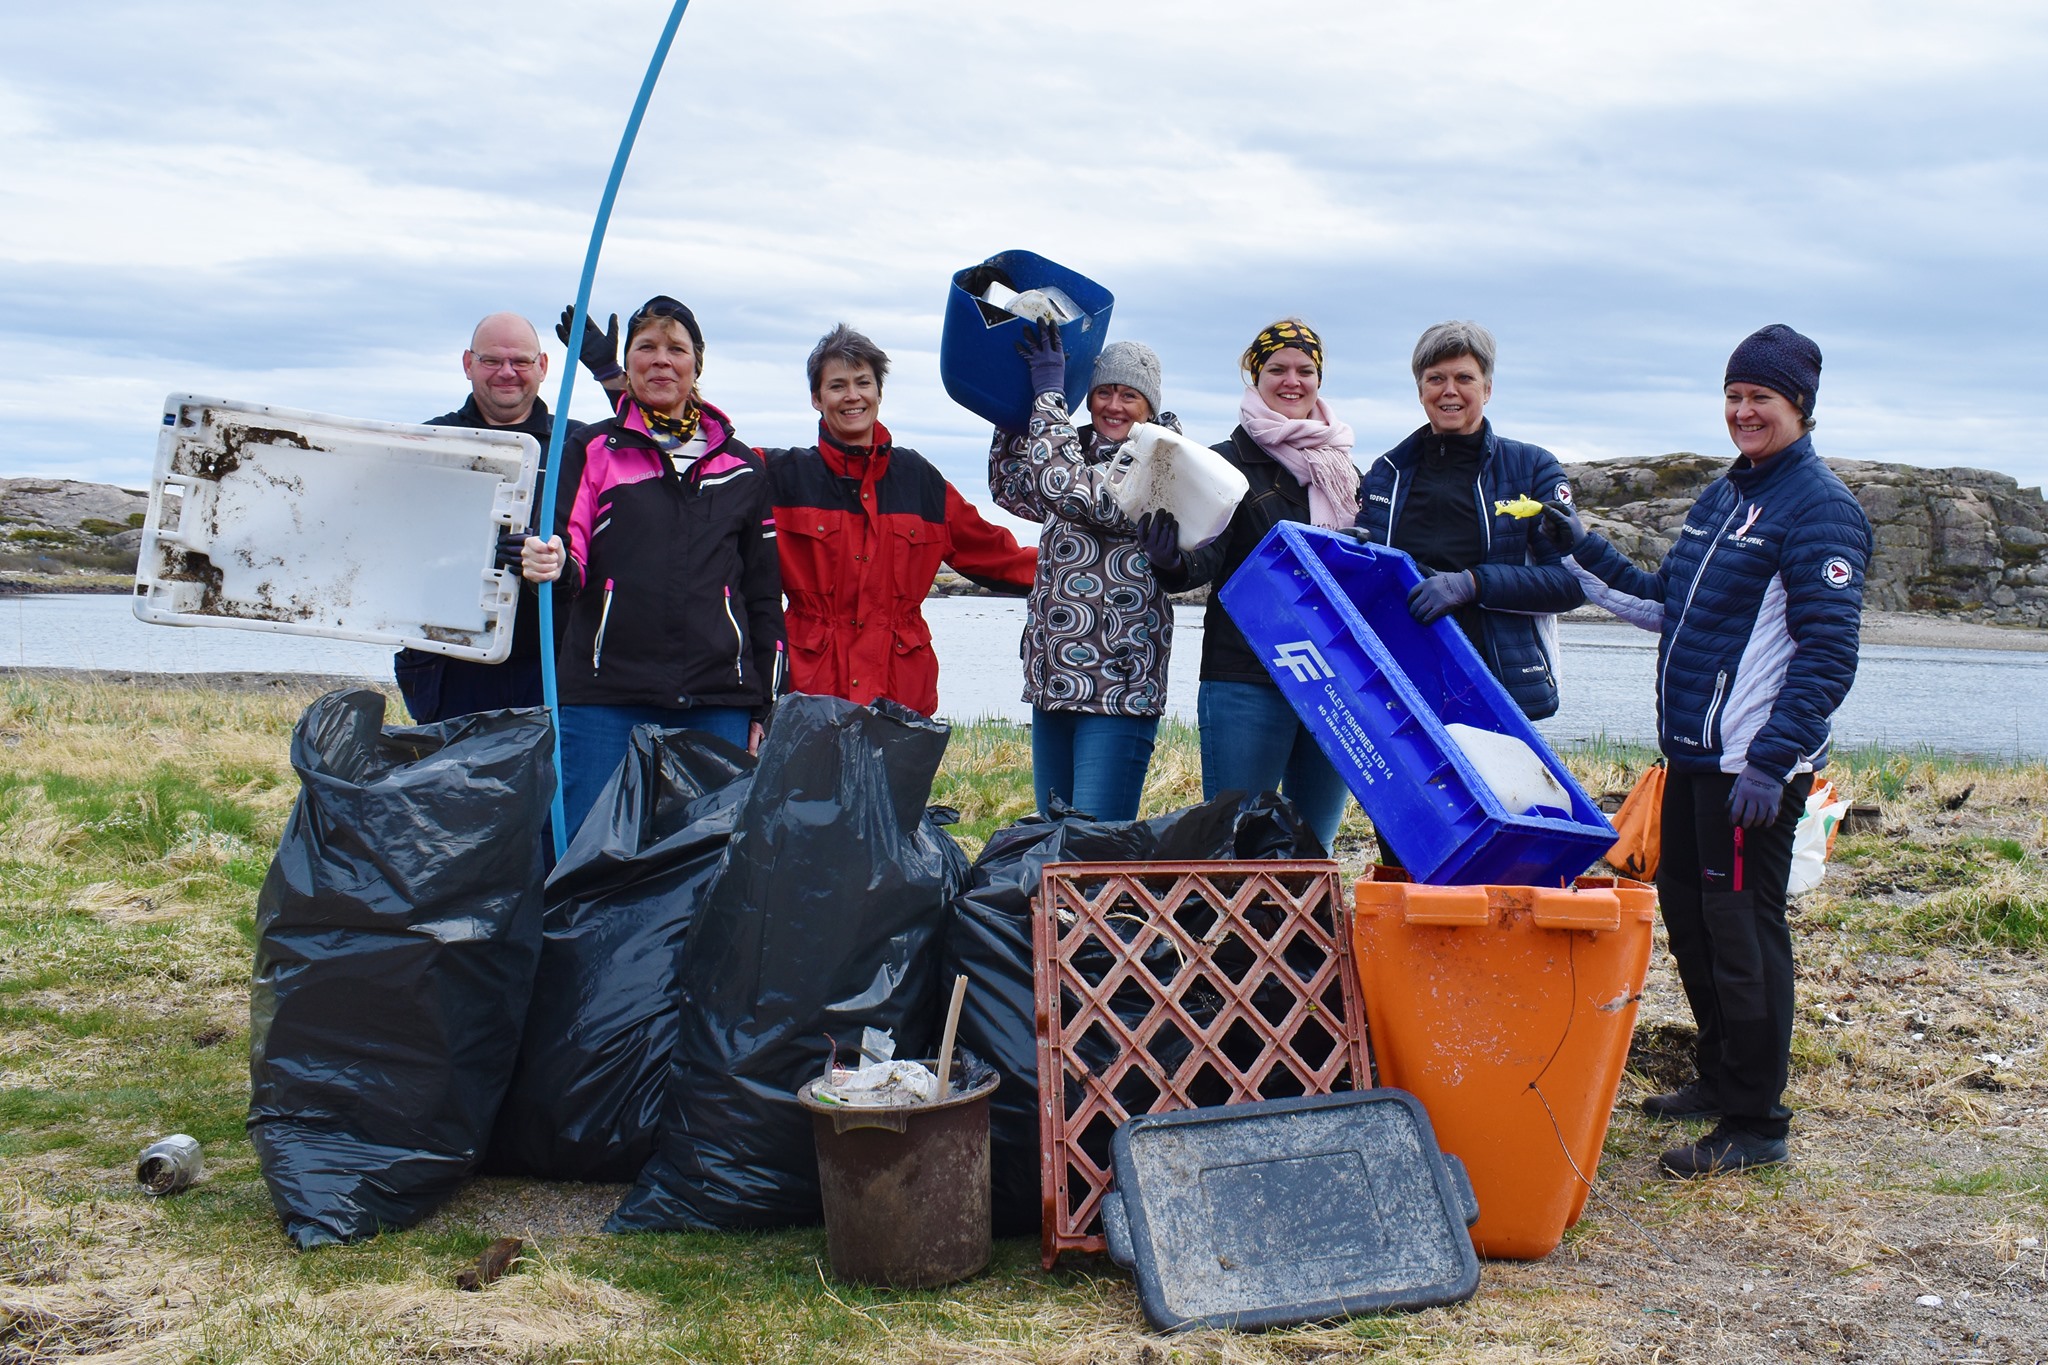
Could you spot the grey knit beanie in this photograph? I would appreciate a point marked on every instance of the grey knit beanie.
(1131, 364)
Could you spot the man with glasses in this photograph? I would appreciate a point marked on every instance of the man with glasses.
(505, 365)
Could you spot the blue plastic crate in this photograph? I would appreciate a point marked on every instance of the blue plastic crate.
(979, 362)
(1329, 616)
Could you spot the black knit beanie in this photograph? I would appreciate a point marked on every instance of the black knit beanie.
(1778, 358)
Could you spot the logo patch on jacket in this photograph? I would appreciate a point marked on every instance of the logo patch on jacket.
(1836, 573)
(1563, 494)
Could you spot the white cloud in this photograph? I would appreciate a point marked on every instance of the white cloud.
(309, 206)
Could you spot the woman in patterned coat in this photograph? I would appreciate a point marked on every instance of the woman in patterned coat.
(1099, 625)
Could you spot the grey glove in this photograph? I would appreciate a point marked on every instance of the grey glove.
(1755, 798)
(1159, 538)
(1046, 360)
(1435, 598)
(1562, 528)
(600, 350)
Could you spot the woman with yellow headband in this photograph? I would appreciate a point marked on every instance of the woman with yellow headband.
(1297, 458)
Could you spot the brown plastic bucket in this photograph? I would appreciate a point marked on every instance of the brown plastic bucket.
(905, 1190)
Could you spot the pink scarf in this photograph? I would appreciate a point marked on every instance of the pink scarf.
(1315, 450)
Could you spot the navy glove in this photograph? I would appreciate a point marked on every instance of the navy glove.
(1159, 538)
(1755, 798)
(1048, 363)
(1435, 598)
(510, 543)
(1562, 528)
(600, 350)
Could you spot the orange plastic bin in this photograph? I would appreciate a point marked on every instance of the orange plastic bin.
(1507, 1010)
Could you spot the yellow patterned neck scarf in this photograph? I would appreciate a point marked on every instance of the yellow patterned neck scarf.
(675, 430)
(1279, 337)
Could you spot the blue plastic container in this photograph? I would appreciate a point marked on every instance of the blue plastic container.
(1329, 617)
(978, 360)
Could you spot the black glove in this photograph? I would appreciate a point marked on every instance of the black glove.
(1159, 538)
(1046, 361)
(600, 350)
(1755, 798)
(509, 545)
(1437, 597)
(1562, 528)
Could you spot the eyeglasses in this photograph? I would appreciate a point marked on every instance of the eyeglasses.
(501, 362)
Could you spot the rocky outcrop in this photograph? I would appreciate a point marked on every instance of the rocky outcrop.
(60, 527)
(1959, 542)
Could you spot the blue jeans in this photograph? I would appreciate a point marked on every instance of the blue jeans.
(594, 742)
(1252, 741)
(1094, 763)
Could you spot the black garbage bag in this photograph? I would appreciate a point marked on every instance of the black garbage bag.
(824, 922)
(585, 1099)
(398, 930)
(988, 939)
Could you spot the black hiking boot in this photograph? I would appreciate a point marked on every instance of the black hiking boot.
(1693, 1100)
(1723, 1150)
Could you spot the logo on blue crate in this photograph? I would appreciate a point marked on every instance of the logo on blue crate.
(1303, 660)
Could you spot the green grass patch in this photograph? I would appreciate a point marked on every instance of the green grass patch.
(2026, 1182)
(2009, 913)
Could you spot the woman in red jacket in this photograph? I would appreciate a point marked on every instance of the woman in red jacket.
(666, 549)
(864, 525)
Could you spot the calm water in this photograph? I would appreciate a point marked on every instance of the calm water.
(1961, 700)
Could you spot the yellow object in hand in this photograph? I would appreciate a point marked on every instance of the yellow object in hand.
(1520, 508)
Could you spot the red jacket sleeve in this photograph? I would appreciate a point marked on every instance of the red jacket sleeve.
(984, 552)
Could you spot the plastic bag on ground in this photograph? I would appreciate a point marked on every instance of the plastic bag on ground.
(824, 922)
(988, 939)
(398, 931)
(585, 1100)
(1814, 838)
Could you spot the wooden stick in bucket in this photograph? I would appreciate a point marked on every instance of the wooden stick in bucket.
(946, 1040)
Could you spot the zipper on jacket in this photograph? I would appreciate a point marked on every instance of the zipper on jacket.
(1671, 645)
(1714, 709)
(739, 643)
(604, 617)
(1485, 520)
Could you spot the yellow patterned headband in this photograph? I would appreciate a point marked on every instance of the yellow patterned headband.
(1279, 337)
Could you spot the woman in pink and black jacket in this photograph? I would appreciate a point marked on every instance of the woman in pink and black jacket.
(665, 547)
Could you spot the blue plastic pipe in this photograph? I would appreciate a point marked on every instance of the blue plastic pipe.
(545, 524)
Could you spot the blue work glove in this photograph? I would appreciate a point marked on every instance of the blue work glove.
(1048, 363)
(1159, 538)
(1755, 798)
(600, 350)
(1562, 528)
(1437, 597)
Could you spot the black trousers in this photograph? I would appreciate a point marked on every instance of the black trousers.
(438, 688)
(1724, 909)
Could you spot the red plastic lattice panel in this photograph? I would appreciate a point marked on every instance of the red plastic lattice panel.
(1179, 985)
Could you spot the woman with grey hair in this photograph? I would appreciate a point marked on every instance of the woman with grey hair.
(1099, 626)
(1453, 495)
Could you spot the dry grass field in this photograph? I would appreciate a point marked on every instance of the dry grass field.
(136, 823)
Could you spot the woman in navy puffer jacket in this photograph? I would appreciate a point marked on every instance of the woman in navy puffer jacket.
(1758, 604)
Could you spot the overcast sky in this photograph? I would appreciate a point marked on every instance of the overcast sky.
(310, 205)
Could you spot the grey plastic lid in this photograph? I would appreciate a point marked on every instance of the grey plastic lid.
(1279, 1212)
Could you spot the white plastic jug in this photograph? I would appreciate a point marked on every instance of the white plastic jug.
(1516, 772)
(1160, 468)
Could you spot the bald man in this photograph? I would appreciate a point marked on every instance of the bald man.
(505, 366)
